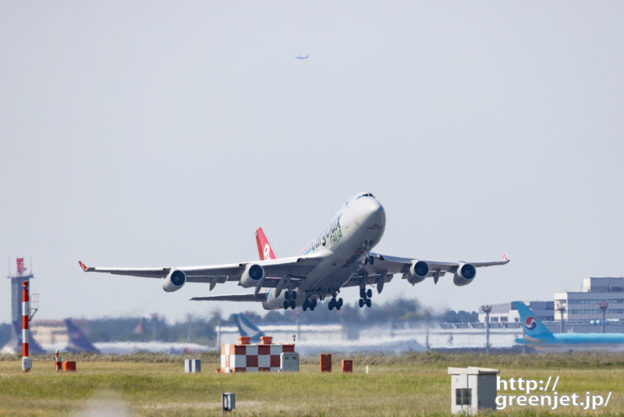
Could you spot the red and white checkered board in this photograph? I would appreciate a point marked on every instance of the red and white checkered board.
(252, 358)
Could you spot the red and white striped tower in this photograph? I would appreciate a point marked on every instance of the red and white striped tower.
(26, 361)
(57, 361)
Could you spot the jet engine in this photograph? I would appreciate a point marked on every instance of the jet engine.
(464, 275)
(174, 281)
(417, 272)
(252, 276)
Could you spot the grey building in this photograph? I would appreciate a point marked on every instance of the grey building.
(583, 305)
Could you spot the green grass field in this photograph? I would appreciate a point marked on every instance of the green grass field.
(409, 385)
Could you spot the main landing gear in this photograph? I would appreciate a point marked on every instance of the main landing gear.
(309, 304)
(365, 297)
(333, 303)
(290, 300)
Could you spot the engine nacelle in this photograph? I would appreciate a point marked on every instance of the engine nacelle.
(174, 281)
(417, 272)
(253, 275)
(273, 302)
(464, 275)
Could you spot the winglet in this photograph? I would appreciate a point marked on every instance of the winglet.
(505, 257)
(83, 266)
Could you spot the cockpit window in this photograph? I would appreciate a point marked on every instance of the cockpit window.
(365, 195)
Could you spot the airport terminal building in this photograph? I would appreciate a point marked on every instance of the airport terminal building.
(579, 307)
(583, 305)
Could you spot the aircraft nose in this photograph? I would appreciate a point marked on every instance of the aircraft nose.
(376, 215)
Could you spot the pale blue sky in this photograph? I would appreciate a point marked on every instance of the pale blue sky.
(158, 133)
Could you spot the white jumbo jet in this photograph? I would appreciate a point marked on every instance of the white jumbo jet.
(340, 257)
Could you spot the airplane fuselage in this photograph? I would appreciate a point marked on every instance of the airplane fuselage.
(566, 342)
(344, 244)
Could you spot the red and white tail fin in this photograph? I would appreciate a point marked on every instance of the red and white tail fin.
(264, 248)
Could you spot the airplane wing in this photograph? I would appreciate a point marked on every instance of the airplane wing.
(397, 264)
(384, 267)
(295, 268)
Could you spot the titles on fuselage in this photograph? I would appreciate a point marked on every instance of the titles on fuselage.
(331, 234)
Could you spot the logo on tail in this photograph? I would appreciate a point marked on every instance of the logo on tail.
(264, 247)
(530, 323)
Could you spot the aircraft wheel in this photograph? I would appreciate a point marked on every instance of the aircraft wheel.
(293, 304)
(369, 293)
(331, 303)
(362, 293)
(306, 304)
(287, 295)
(293, 295)
(361, 302)
(368, 302)
(340, 303)
(286, 304)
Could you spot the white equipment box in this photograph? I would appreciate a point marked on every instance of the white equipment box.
(192, 365)
(289, 362)
(472, 389)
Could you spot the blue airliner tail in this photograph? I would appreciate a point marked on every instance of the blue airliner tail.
(247, 328)
(533, 327)
(78, 342)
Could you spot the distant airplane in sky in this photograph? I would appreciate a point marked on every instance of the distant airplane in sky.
(539, 337)
(339, 257)
(300, 57)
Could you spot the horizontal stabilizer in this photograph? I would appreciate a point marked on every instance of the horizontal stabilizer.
(232, 297)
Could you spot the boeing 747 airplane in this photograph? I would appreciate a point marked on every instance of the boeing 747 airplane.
(539, 337)
(339, 257)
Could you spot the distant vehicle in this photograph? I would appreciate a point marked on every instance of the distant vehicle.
(539, 337)
(339, 257)
(301, 58)
(247, 329)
